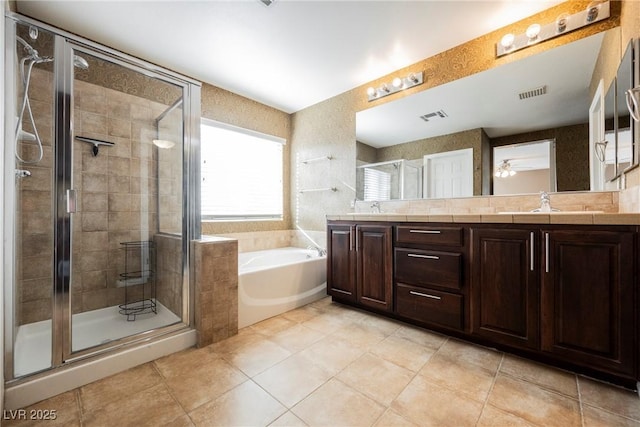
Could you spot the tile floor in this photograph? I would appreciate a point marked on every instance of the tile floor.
(328, 365)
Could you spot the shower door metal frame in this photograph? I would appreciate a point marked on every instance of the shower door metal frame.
(9, 295)
(65, 44)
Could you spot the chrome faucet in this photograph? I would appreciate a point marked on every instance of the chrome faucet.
(545, 203)
(375, 207)
(321, 252)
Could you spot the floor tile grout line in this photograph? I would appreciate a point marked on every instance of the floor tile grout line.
(493, 383)
(77, 398)
(580, 403)
(170, 390)
(542, 386)
(617, 414)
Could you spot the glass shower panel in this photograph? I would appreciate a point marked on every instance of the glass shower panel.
(121, 262)
(33, 162)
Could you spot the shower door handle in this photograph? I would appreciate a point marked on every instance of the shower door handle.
(71, 201)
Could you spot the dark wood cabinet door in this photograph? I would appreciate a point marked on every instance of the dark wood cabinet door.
(341, 265)
(504, 285)
(588, 298)
(375, 277)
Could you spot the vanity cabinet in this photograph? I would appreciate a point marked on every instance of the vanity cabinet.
(341, 262)
(374, 278)
(588, 298)
(359, 267)
(564, 294)
(505, 286)
(428, 274)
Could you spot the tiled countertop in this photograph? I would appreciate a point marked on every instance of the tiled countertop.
(501, 218)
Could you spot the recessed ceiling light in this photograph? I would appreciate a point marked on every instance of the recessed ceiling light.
(267, 2)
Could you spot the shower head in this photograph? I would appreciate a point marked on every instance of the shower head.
(80, 62)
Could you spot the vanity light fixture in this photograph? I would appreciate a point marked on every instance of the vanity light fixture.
(504, 170)
(564, 23)
(398, 84)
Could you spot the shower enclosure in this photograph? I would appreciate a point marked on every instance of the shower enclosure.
(100, 198)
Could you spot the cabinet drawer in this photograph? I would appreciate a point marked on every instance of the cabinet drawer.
(427, 305)
(428, 268)
(444, 236)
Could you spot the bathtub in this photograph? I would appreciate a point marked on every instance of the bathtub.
(274, 281)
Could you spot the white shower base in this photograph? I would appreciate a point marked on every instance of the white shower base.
(32, 352)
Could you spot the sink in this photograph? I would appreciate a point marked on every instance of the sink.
(553, 213)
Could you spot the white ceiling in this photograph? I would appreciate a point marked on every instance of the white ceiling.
(290, 55)
(490, 100)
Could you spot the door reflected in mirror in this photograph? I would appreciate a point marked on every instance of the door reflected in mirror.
(528, 167)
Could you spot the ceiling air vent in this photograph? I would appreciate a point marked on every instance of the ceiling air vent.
(266, 2)
(438, 113)
(533, 92)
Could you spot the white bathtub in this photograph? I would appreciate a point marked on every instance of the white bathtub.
(274, 281)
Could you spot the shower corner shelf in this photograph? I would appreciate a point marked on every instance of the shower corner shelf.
(139, 271)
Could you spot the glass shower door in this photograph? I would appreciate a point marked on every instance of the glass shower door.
(30, 184)
(126, 253)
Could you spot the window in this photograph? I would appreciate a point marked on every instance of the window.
(377, 185)
(241, 173)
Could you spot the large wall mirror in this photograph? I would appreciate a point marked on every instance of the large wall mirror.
(451, 130)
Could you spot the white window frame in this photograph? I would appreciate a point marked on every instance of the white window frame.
(246, 216)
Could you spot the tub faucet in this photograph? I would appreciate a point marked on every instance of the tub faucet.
(375, 207)
(321, 252)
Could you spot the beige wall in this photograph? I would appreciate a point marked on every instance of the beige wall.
(331, 123)
(523, 182)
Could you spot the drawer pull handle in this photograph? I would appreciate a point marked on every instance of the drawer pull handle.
(546, 252)
(425, 231)
(420, 294)
(531, 249)
(423, 256)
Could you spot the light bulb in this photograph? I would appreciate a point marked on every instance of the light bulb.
(507, 40)
(592, 11)
(561, 22)
(497, 174)
(397, 82)
(384, 88)
(532, 32)
(512, 172)
(412, 78)
(504, 174)
(371, 91)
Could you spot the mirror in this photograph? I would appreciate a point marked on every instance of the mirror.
(542, 97)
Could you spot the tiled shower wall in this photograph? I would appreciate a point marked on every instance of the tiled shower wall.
(117, 197)
(34, 215)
